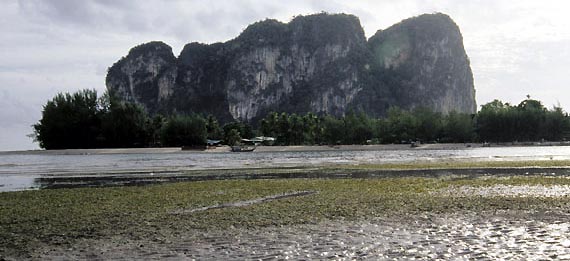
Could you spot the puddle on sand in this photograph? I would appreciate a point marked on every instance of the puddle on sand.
(27, 182)
(18, 171)
(506, 191)
(17, 183)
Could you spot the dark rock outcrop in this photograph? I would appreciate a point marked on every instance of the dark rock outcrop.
(320, 63)
(423, 63)
(146, 76)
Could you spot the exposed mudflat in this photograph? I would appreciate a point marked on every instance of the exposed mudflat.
(447, 218)
(463, 236)
(246, 202)
(101, 167)
(507, 191)
(483, 212)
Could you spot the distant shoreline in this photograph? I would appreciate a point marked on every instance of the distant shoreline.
(300, 148)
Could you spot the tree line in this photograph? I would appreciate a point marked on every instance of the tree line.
(85, 120)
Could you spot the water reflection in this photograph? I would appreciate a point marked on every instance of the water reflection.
(18, 182)
(40, 170)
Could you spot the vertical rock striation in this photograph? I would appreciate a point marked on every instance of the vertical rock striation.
(423, 63)
(320, 63)
(146, 75)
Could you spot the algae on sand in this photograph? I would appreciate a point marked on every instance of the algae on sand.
(31, 220)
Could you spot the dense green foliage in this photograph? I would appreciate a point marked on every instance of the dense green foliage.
(184, 130)
(291, 129)
(124, 125)
(357, 128)
(83, 120)
(528, 121)
(213, 129)
(496, 122)
(70, 121)
(235, 131)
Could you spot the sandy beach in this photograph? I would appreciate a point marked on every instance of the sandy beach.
(225, 148)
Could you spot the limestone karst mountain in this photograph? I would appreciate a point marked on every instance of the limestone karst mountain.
(321, 63)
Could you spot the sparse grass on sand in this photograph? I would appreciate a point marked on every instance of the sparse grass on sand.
(57, 218)
(354, 168)
(460, 164)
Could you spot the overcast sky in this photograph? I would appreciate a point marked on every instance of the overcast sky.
(49, 46)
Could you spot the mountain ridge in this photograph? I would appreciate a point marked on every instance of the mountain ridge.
(319, 63)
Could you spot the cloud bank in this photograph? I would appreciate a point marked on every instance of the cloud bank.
(50, 46)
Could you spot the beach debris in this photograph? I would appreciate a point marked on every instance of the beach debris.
(247, 202)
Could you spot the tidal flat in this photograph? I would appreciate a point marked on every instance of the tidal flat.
(378, 218)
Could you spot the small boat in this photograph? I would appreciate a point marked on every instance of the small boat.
(243, 148)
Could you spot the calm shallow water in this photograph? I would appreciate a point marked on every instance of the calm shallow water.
(18, 171)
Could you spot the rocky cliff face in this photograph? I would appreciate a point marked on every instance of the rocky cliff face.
(423, 63)
(320, 63)
(146, 76)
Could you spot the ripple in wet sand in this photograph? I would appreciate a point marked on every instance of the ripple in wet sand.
(457, 236)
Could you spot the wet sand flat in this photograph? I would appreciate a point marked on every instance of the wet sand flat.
(339, 203)
(68, 168)
(467, 236)
(384, 218)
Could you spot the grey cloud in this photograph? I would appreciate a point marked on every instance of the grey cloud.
(15, 138)
(49, 46)
(91, 14)
(61, 11)
(14, 111)
(184, 20)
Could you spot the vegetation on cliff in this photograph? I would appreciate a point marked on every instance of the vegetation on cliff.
(320, 63)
